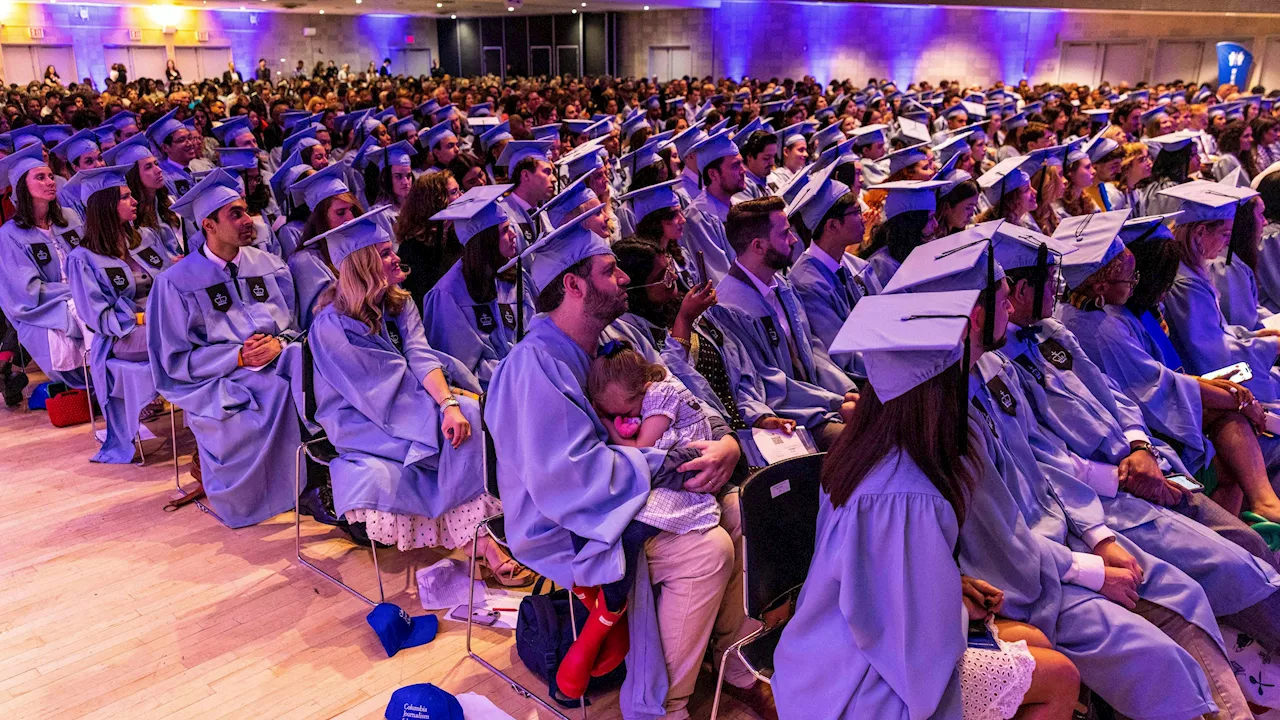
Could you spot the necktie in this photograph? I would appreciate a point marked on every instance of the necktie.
(1027, 333)
(234, 272)
(797, 367)
(846, 280)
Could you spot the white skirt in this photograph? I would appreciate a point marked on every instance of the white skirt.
(993, 683)
(452, 529)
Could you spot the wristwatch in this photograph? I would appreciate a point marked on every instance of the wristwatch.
(448, 402)
(1151, 449)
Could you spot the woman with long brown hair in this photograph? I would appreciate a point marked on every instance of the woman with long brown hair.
(110, 276)
(332, 204)
(428, 247)
(160, 225)
(408, 466)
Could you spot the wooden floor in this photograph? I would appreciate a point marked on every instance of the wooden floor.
(112, 608)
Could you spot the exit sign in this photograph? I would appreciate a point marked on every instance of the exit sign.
(408, 39)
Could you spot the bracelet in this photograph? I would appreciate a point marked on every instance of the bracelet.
(1148, 447)
(448, 402)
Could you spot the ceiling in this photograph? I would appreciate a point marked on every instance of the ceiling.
(446, 8)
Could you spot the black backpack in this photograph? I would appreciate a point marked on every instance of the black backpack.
(543, 636)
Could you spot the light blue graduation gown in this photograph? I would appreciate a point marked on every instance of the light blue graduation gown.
(754, 188)
(167, 237)
(177, 179)
(1206, 342)
(525, 223)
(70, 199)
(265, 240)
(34, 291)
(558, 475)
(1153, 203)
(688, 188)
(879, 628)
(1237, 293)
(1116, 651)
(1078, 405)
(704, 232)
(479, 335)
(1268, 271)
(372, 404)
(311, 277)
(828, 299)
(807, 394)
(104, 290)
(289, 235)
(883, 266)
(244, 419)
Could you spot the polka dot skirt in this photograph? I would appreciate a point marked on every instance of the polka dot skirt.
(453, 529)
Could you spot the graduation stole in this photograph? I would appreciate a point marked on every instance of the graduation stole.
(151, 257)
(393, 334)
(485, 321)
(116, 276)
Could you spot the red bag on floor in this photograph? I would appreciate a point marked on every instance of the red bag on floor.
(68, 407)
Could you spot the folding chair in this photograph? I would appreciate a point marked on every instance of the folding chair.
(320, 450)
(495, 528)
(779, 506)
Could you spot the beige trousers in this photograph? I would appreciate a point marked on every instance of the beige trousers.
(697, 580)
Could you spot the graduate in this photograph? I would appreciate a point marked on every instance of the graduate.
(474, 311)
(156, 220)
(910, 219)
(221, 332)
(236, 132)
(293, 210)
(723, 176)
(793, 149)
(176, 142)
(332, 204)
(532, 184)
(80, 152)
(411, 461)
(1233, 273)
(243, 164)
(34, 246)
(690, 177)
(1267, 270)
(1174, 162)
(111, 274)
(829, 280)
(847, 652)
(1019, 537)
(801, 381)
(759, 150)
(1201, 335)
(441, 146)
(564, 477)
(395, 179)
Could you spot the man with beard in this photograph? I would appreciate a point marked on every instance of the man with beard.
(723, 176)
(559, 476)
(764, 313)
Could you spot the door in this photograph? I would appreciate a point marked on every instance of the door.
(567, 60)
(20, 64)
(1178, 60)
(668, 63)
(25, 63)
(540, 60)
(493, 62)
(202, 63)
(411, 61)
(681, 62)
(1269, 64)
(1124, 62)
(138, 61)
(1079, 63)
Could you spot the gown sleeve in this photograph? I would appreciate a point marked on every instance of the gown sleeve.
(450, 330)
(26, 296)
(423, 358)
(101, 315)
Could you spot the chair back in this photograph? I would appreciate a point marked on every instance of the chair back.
(490, 453)
(779, 506)
(308, 408)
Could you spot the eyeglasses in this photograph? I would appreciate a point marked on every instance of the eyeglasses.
(1137, 278)
(668, 280)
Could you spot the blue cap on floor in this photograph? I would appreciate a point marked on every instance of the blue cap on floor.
(423, 701)
(398, 630)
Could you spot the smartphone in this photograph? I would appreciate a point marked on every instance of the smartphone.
(1237, 373)
(980, 636)
(702, 268)
(1186, 483)
(479, 617)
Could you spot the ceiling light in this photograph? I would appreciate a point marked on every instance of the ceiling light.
(439, 4)
(321, 12)
(510, 9)
(584, 4)
(574, 11)
(453, 17)
(646, 7)
(241, 8)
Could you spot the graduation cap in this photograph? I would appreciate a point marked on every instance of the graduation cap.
(560, 250)
(1005, 177)
(775, 107)
(166, 125)
(429, 138)
(792, 188)
(1017, 247)
(792, 134)
(1094, 241)
(828, 136)
(484, 109)
(1154, 114)
(1204, 201)
(397, 153)
(401, 128)
(909, 195)
(1098, 116)
(577, 127)
(960, 261)
(951, 148)
(551, 131)
(123, 120)
(957, 109)
(227, 132)
(320, 185)
(1015, 121)
(105, 133)
(686, 139)
(1151, 227)
(645, 156)
(655, 197)
(362, 156)
(713, 148)
(476, 210)
(1138, 95)
(239, 159)
(385, 116)
(284, 177)
(78, 144)
(213, 192)
(352, 235)
(600, 128)
(101, 178)
(913, 131)
(306, 120)
(674, 104)
(558, 208)
(1169, 142)
(14, 166)
(869, 135)
(817, 197)
(129, 151)
(518, 150)
(586, 158)
(900, 160)
(490, 137)
(428, 107)
(299, 140)
(1098, 147)
(742, 135)
(634, 125)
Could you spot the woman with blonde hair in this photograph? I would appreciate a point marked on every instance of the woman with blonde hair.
(1050, 187)
(1134, 168)
(408, 466)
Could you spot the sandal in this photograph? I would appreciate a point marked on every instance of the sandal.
(507, 574)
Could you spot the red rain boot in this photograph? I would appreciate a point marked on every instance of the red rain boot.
(587, 596)
(614, 650)
(575, 669)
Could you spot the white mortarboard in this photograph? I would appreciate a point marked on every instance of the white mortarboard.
(1005, 177)
(355, 234)
(817, 197)
(494, 135)
(566, 201)
(397, 153)
(909, 195)
(1204, 201)
(828, 136)
(655, 197)
(320, 185)
(429, 138)
(1151, 227)
(1099, 147)
(100, 178)
(166, 125)
(913, 130)
(1094, 240)
(600, 128)
(1100, 116)
(794, 133)
(78, 144)
(477, 210)
(1171, 142)
(869, 135)
(907, 339)
(518, 150)
(961, 261)
(1270, 170)
(792, 188)
(560, 250)
(950, 176)
(975, 109)
(688, 138)
(15, 165)
(238, 159)
(214, 191)
(713, 148)
(952, 147)
(906, 157)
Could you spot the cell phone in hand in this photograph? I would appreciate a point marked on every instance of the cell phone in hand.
(1238, 373)
(702, 268)
(1186, 483)
(980, 636)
